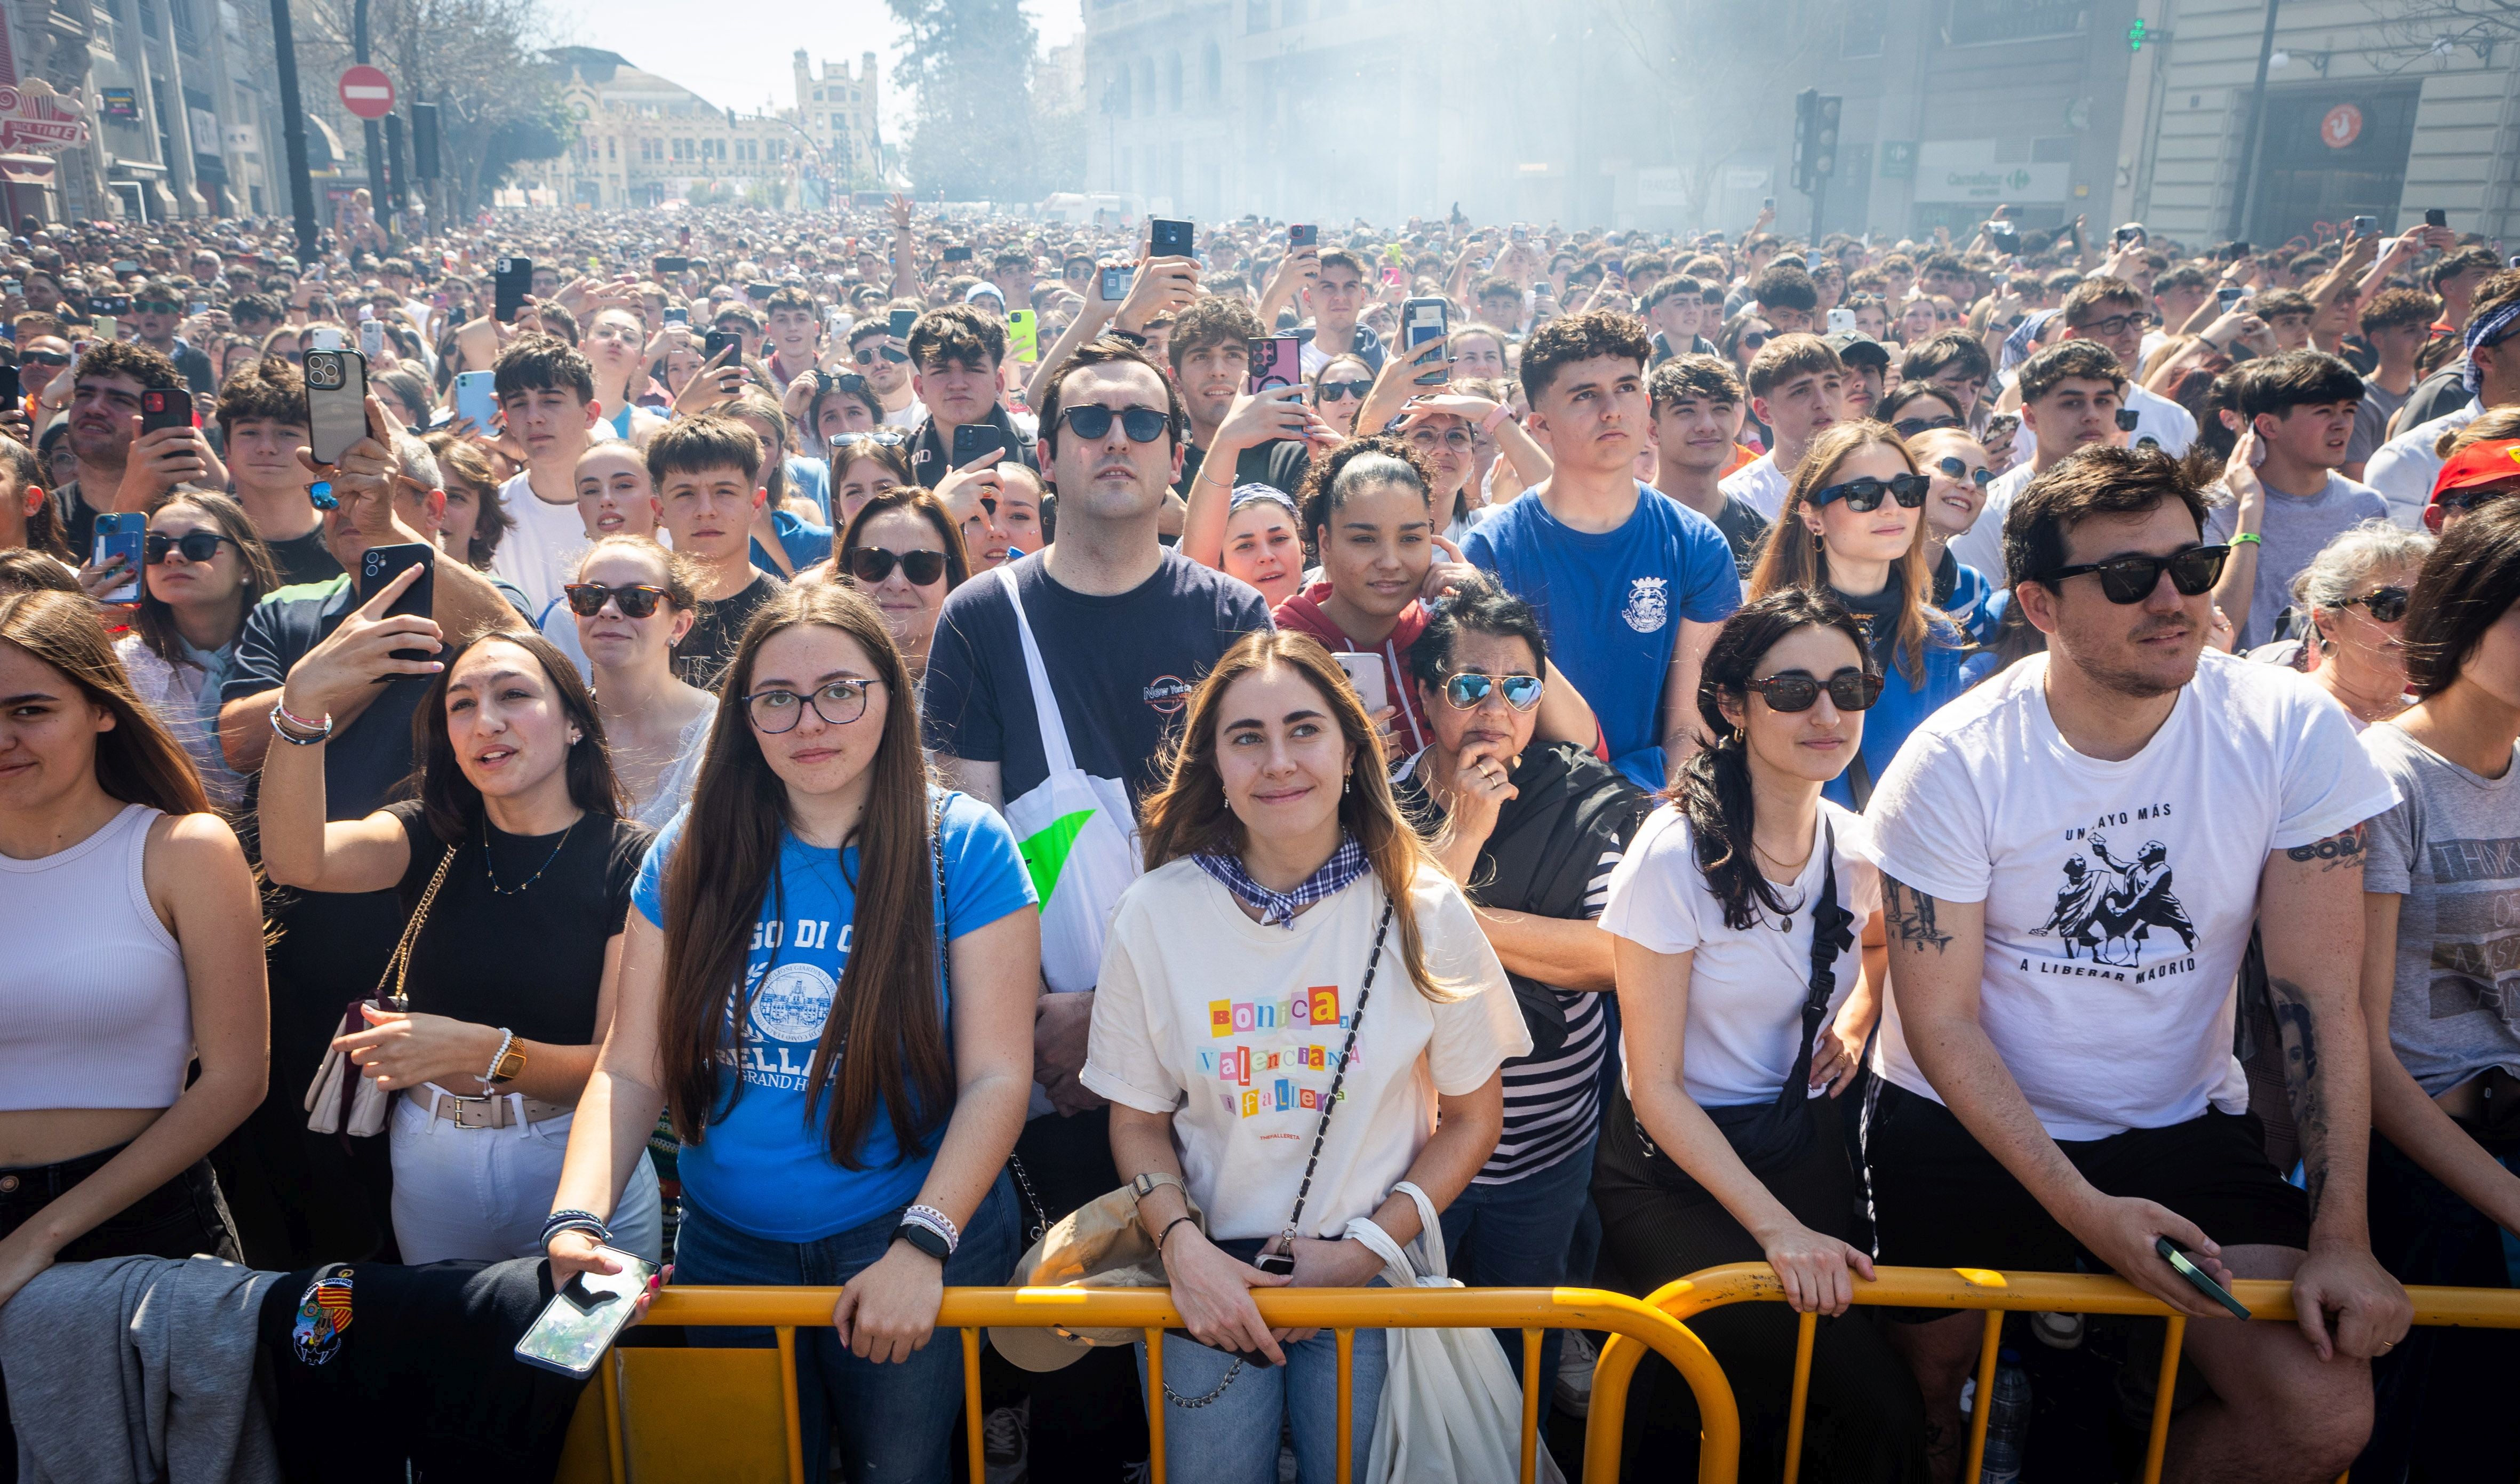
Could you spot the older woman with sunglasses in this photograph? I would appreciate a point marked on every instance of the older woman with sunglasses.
(633, 601)
(902, 552)
(2352, 599)
(1339, 390)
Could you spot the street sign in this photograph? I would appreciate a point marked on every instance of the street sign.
(367, 92)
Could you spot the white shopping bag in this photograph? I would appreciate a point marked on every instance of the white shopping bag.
(1450, 1411)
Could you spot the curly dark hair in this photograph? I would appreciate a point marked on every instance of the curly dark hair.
(1212, 319)
(129, 358)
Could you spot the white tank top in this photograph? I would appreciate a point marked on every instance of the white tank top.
(94, 1011)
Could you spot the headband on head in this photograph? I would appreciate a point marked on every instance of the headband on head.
(2487, 330)
(1255, 492)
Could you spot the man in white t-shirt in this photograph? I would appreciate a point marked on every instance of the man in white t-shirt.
(546, 392)
(2110, 312)
(2073, 857)
(2071, 395)
(1797, 388)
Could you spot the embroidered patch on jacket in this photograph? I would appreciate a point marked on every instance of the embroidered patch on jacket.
(323, 1312)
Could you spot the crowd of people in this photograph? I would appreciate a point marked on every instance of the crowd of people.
(1983, 754)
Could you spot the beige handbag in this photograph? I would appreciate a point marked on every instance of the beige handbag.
(342, 1100)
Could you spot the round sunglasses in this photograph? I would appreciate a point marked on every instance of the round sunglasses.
(872, 563)
(1981, 476)
(636, 601)
(1793, 691)
(1465, 690)
(198, 547)
(1865, 494)
(2388, 605)
(2132, 579)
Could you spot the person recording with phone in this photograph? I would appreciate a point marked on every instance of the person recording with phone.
(1236, 436)
(1274, 831)
(120, 467)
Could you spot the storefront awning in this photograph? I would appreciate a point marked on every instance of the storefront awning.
(27, 171)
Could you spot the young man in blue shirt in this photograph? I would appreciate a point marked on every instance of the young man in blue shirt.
(1630, 584)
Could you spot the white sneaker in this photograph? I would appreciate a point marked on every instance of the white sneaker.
(1002, 1443)
(1574, 1388)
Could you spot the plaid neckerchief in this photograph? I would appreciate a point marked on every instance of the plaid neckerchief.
(1278, 909)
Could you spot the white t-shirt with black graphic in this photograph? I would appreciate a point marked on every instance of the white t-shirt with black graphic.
(2119, 896)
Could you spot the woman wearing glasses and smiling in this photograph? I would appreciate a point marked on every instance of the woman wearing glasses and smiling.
(1853, 527)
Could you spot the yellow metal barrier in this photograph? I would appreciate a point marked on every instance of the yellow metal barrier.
(1996, 1293)
(634, 1434)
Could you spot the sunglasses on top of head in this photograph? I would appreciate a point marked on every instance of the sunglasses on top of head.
(1142, 425)
(1865, 494)
(2132, 579)
(1795, 691)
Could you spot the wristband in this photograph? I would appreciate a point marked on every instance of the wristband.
(2248, 538)
(1488, 424)
(576, 1221)
(938, 1222)
(300, 721)
(1168, 1231)
(280, 729)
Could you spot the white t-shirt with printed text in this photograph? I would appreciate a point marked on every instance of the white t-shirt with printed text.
(2119, 896)
(1236, 1029)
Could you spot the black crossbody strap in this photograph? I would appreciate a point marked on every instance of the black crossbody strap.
(1373, 961)
(1832, 932)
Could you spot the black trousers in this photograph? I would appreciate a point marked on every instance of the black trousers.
(1865, 1420)
(184, 1216)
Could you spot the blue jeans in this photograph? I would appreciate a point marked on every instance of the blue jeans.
(1234, 1439)
(896, 1422)
(1523, 1235)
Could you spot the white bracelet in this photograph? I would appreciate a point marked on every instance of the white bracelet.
(937, 1221)
(506, 1039)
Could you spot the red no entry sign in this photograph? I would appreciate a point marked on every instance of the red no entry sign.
(367, 92)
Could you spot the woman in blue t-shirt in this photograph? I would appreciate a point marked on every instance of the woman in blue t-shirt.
(1853, 528)
(877, 1084)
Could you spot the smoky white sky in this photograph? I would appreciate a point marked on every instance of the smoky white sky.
(737, 52)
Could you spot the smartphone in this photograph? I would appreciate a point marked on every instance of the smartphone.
(2001, 426)
(120, 534)
(2128, 417)
(723, 340)
(974, 439)
(336, 403)
(2006, 241)
(1841, 322)
(1422, 320)
(105, 329)
(196, 306)
(476, 397)
(2131, 232)
(2365, 226)
(124, 265)
(678, 316)
(11, 389)
(1277, 360)
(958, 253)
(687, 237)
(164, 408)
(1171, 238)
(1115, 283)
(1767, 203)
(371, 340)
(381, 564)
(2229, 295)
(1365, 672)
(902, 322)
(760, 291)
(324, 337)
(2197, 1277)
(2435, 216)
(1024, 336)
(1304, 235)
(665, 266)
(585, 1315)
(110, 303)
(514, 280)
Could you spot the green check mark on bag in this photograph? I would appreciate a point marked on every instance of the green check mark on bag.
(1045, 853)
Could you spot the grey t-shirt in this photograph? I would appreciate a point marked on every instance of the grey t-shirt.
(2291, 534)
(2450, 847)
(2371, 420)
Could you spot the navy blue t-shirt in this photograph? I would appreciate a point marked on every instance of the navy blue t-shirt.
(1611, 605)
(1121, 667)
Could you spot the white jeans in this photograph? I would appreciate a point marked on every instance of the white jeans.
(485, 1193)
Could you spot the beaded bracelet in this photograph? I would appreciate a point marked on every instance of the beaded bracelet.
(937, 1221)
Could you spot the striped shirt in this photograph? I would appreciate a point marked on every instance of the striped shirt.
(1553, 1104)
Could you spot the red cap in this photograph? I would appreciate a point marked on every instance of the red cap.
(2486, 462)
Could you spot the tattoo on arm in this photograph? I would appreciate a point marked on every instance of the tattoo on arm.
(1908, 915)
(2344, 850)
(2303, 1085)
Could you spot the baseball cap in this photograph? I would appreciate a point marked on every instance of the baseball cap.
(2493, 461)
(1855, 345)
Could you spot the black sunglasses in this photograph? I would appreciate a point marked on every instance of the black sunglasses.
(1142, 425)
(1981, 476)
(1754, 339)
(1865, 494)
(872, 563)
(1334, 391)
(638, 601)
(201, 546)
(2388, 605)
(2132, 579)
(869, 357)
(1791, 691)
(154, 306)
(1908, 428)
(45, 358)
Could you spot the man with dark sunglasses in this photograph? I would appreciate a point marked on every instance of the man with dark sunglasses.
(884, 362)
(2288, 499)
(157, 308)
(2074, 857)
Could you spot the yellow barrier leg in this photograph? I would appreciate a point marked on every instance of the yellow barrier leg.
(612, 1416)
(1346, 1403)
(1985, 1408)
(971, 1401)
(788, 1405)
(1804, 1333)
(2159, 1443)
(1155, 1404)
(1530, 1406)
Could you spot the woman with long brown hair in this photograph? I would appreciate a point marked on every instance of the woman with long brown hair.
(515, 866)
(1274, 840)
(134, 949)
(204, 568)
(1853, 527)
(829, 980)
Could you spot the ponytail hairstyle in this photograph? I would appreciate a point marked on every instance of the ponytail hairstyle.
(1714, 787)
(1789, 561)
(1372, 460)
(137, 760)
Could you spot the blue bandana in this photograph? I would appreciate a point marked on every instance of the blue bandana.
(1278, 909)
(2485, 330)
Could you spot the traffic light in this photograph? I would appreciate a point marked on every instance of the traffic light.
(2135, 35)
(424, 141)
(1816, 117)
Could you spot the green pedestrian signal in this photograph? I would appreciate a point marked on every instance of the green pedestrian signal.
(2134, 35)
